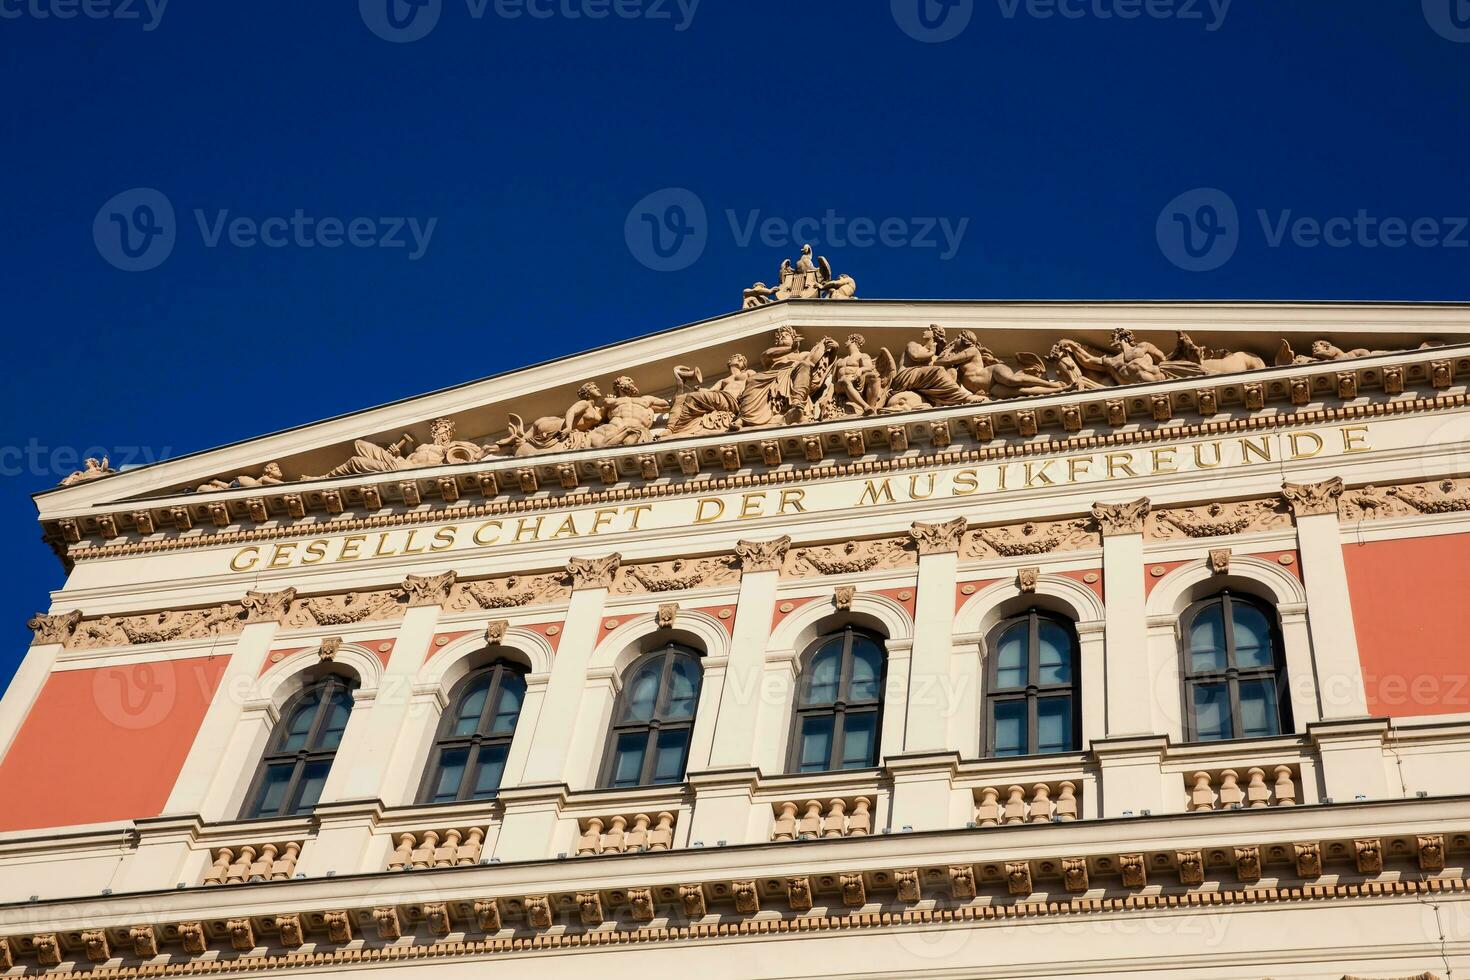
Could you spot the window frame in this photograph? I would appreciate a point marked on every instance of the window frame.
(1033, 691)
(840, 706)
(657, 723)
(324, 689)
(1232, 675)
(475, 742)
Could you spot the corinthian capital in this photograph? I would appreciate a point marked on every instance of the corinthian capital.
(54, 629)
(936, 539)
(1308, 499)
(1121, 518)
(593, 573)
(267, 607)
(763, 556)
(428, 590)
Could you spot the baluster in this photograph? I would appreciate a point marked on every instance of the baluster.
(811, 821)
(836, 823)
(1041, 803)
(469, 852)
(423, 855)
(1067, 802)
(591, 840)
(1202, 797)
(860, 821)
(282, 869)
(402, 854)
(1257, 793)
(637, 838)
(785, 826)
(1285, 788)
(1231, 795)
(261, 869)
(612, 841)
(987, 814)
(1015, 810)
(661, 837)
(240, 870)
(221, 867)
(444, 856)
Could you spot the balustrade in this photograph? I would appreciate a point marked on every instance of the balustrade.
(1223, 789)
(437, 849)
(839, 818)
(614, 835)
(1043, 803)
(237, 864)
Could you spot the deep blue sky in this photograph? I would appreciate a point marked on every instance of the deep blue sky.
(1061, 140)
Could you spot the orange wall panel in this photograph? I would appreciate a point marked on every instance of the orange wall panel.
(1411, 609)
(105, 743)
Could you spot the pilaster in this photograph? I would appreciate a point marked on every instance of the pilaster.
(929, 696)
(740, 700)
(924, 795)
(1131, 780)
(1351, 757)
(724, 808)
(529, 825)
(1130, 709)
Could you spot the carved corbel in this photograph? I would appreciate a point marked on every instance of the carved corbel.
(372, 499)
(692, 898)
(1191, 867)
(1209, 402)
(811, 447)
(339, 926)
(842, 597)
(906, 883)
(1301, 391)
(1162, 407)
(688, 462)
(409, 489)
(295, 505)
(429, 590)
(763, 556)
(143, 520)
(938, 539)
(48, 949)
(1393, 381)
(1117, 519)
(730, 458)
(962, 881)
(1134, 870)
(242, 934)
(527, 478)
(183, 521)
(898, 438)
(667, 613)
(1072, 418)
(107, 526)
(1309, 499)
(854, 443)
(1219, 560)
(939, 434)
(1347, 385)
(799, 893)
(193, 937)
(449, 488)
(495, 631)
(94, 942)
(7, 955)
(593, 573)
(1368, 855)
(1026, 423)
(1431, 852)
(292, 935)
(640, 904)
(1018, 877)
(747, 897)
(219, 514)
(1254, 395)
(648, 466)
(436, 914)
(538, 911)
(854, 890)
(770, 452)
(385, 917)
(1441, 374)
(259, 512)
(984, 427)
(332, 500)
(145, 942)
(487, 484)
(487, 915)
(267, 607)
(331, 646)
(1074, 874)
(1248, 863)
(1308, 860)
(1116, 410)
(54, 629)
(1026, 579)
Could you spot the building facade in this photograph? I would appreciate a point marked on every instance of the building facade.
(1048, 640)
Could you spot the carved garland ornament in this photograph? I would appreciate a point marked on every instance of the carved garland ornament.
(852, 557)
(1029, 538)
(1218, 519)
(1406, 500)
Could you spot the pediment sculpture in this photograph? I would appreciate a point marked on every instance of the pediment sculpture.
(807, 278)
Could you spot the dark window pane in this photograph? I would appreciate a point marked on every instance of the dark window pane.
(1054, 725)
(1207, 640)
(299, 725)
(272, 790)
(451, 774)
(1010, 728)
(309, 790)
(489, 770)
(508, 704)
(859, 741)
(673, 747)
(336, 721)
(816, 743)
(867, 668)
(825, 672)
(643, 692)
(467, 721)
(1054, 655)
(1252, 636)
(1011, 660)
(1258, 714)
(628, 759)
(1211, 711)
(684, 693)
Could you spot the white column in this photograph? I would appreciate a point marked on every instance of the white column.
(929, 696)
(740, 699)
(706, 713)
(548, 758)
(963, 695)
(589, 728)
(52, 632)
(1129, 695)
(1329, 605)
(895, 699)
(520, 743)
(1296, 636)
(195, 789)
(777, 698)
(1091, 650)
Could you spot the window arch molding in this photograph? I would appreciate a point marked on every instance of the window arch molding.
(461, 657)
(294, 673)
(1059, 594)
(1191, 582)
(630, 640)
(876, 613)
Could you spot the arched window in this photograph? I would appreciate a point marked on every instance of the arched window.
(839, 707)
(1234, 677)
(1031, 704)
(653, 720)
(300, 752)
(473, 741)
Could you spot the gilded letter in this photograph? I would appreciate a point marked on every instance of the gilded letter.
(699, 510)
(1355, 439)
(408, 548)
(751, 504)
(488, 527)
(350, 545)
(281, 556)
(1126, 464)
(601, 519)
(1164, 461)
(524, 526)
(638, 513)
(245, 559)
(444, 537)
(315, 551)
(876, 492)
(1035, 476)
(1263, 450)
(914, 486)
(1199, 457)
(567, 528)
(792, 499)
(1078, 466)
(1296, 446)
(966, 482)
(379, 551)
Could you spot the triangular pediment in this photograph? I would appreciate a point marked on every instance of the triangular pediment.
(1030, 341)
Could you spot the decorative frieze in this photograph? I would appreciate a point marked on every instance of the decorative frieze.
(344, 610)
(509, 592)
(1029, 538)
(852, 557)
(1218, 519)
(1406, 500)
(677, 575)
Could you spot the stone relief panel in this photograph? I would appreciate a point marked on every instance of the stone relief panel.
(677, 575)
(352, 607)
(851, 557)
(1405, 500)
(1030, 538)
(509, 592)
(1219, 519)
